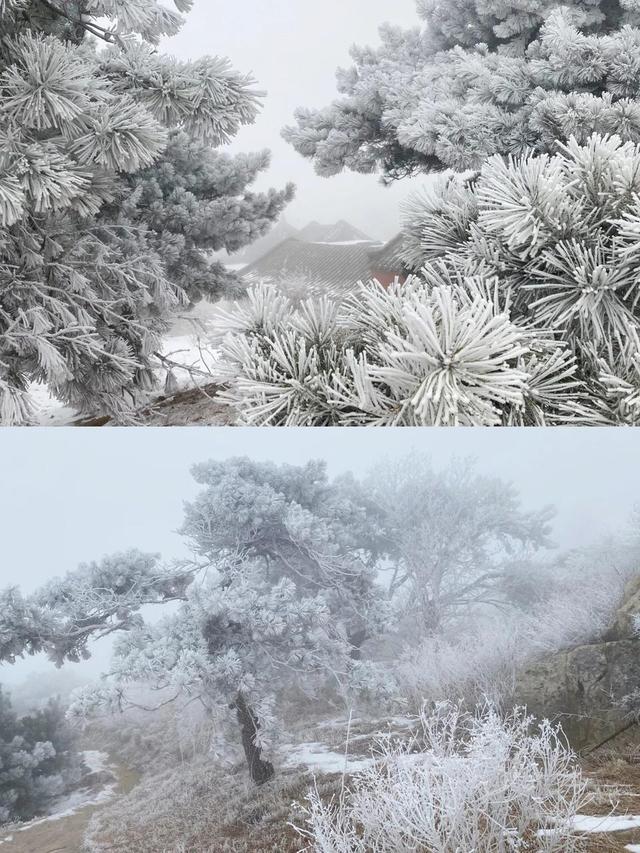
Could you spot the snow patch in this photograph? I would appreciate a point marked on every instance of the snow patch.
(372, 243)
(317, 757)
(339, 723)
(96, 761)
(601, 824)
(608, 823)
(196, 357)
(47, 410)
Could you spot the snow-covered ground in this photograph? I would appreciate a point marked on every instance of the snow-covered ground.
(606, 823)
(97, 762)
(188, 344)
(320, 759)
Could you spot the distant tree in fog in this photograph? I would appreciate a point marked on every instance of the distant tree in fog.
(452, 538)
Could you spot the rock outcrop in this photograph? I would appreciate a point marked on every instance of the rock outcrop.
(583, 687)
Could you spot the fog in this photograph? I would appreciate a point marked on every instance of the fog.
(293, 50)
(70, 496)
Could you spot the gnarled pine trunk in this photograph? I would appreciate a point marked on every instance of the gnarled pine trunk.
(356, 640)
(261, 771)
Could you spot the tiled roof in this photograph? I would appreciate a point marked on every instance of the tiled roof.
(331, 264)
(388, 258)
(328, 263)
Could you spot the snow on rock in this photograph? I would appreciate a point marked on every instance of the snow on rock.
(634, 848)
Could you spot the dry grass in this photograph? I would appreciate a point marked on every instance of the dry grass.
(198, 808)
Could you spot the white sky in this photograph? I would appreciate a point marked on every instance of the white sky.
(70, 495)
(293, 48)
(73, 495)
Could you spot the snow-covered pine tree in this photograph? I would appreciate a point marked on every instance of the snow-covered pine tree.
(105, 209)
(282, 585)
(297, 525)
(479, 79)
(237, 640)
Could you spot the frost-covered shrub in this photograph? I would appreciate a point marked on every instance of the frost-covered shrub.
(480, 666)
(38, 760)
(524, 310)
(480, 657)
(111, 194)
(478, 783)
(581, 596)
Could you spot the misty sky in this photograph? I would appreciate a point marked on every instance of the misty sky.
(293, 49)
(72, 495)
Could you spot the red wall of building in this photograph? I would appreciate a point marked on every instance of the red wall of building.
(387, 278)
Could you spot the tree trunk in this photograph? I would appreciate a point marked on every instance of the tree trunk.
(261, 771)
(356, 640)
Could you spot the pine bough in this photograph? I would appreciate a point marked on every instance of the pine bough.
(523, 309)
(111, 193)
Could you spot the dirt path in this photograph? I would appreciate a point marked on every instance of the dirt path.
(62, 834)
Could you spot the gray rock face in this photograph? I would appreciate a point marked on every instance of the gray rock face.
(582, 687)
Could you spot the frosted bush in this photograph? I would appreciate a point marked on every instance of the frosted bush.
(577, 605)
(480, 783)
(524, 310)
(481, 665)
(439, 349)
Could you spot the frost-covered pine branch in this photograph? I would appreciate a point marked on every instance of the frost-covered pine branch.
(476, 80)
(523, 309)
(106, 210)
